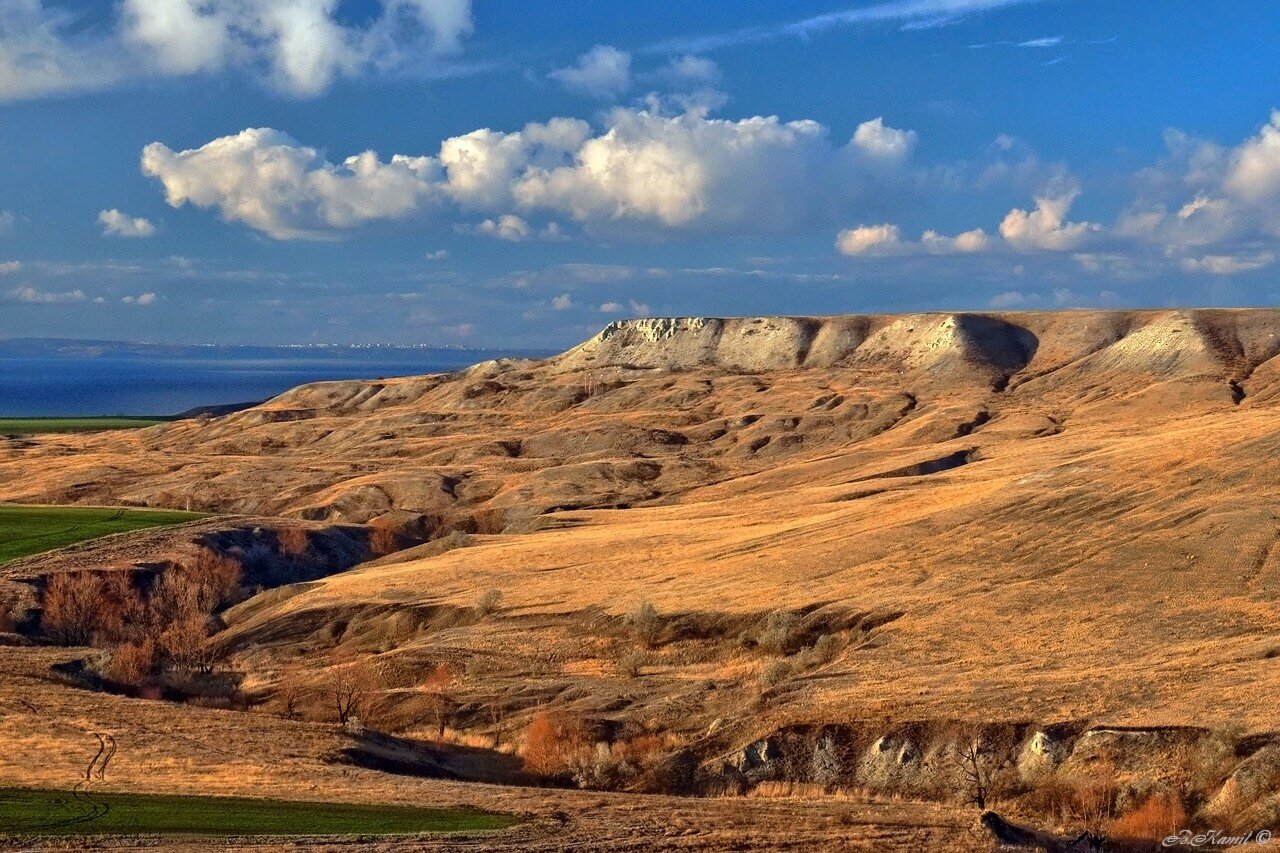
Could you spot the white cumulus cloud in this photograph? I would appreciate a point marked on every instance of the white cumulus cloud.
(667, 171)
(1045, 227)
(117, 224)
(141, 299)
(886, 239)
(686, 71)
(265, 179)
(300, 46)
(1228, 264)
(603, 72)
(32, 296)
(879, 140)
(10, 267)
(868, 239)
(976, 240)
(506, 227)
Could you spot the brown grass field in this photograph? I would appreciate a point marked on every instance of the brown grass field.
(1054, 529)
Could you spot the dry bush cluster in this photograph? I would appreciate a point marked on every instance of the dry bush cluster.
(1158, 817)
(147, 630)
(561, 747)
(293, 541)
(488, 603)
(646, 625)
(1083, 796)
(824, 650)
(384, 540)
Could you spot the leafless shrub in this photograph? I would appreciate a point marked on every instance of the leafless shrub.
(979, 765)
(294, 541)
(488, 603)
(616, 766)
(198, 588)
(645, 625)
(71, 603)
(133, 664)
(289, 694)
(553, 742)
(350, 689)
(632, 664)
(1159, 817)
(775, 673)
(441, 703)
(781, 634)
(1094, 793)
(186, 643)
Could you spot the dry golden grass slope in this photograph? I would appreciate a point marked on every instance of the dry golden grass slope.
(1018, 517)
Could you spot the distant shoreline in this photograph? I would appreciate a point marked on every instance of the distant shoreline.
(48, 379)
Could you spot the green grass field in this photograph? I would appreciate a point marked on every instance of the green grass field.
(34, 812)
(33, 426)
(28, 530)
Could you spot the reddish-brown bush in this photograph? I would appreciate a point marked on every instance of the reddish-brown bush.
(132, 664)
(383, 541)
(186, 643)
(71, 603)
(199, 588)
(122, 611)
(1159, 817)
(294, 541)
(440, 701)
(553, 742)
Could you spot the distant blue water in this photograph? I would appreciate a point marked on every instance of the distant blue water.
(41, 386)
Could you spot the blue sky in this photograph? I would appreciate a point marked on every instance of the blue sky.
(178, 171)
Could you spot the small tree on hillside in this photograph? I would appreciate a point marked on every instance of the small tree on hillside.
(440, 701)
(188, 643)
(979, 771)
(351, 688)
(487, 604)
(645, 624)
(553, 742)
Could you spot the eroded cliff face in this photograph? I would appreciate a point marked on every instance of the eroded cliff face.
(953, 347)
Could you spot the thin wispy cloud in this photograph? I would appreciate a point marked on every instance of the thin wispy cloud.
(1047, 41)
(910, 14)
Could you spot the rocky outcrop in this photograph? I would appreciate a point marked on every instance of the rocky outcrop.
(953, 346)
(1235, 778)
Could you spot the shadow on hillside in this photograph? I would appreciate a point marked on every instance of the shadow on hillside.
(405, 757)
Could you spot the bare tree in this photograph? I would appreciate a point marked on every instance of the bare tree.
(188, 643)
(289, 694)
(497, 715)
(979, 770)
(440, 701)
(71, 603)
(351, 688)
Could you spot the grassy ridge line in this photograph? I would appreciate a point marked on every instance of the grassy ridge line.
(43, 812)
(36, 426)
(26, 530)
